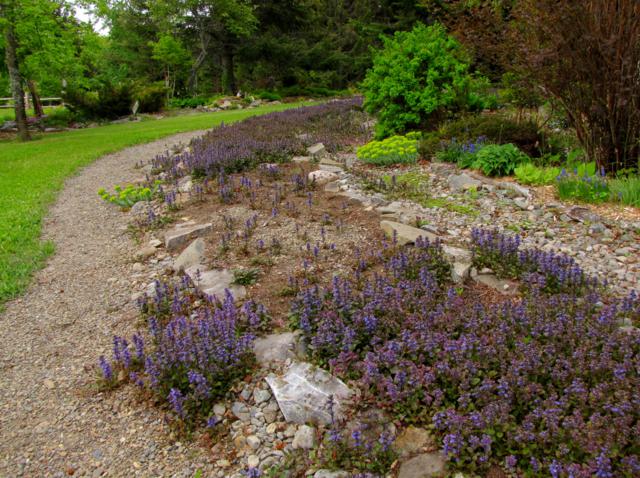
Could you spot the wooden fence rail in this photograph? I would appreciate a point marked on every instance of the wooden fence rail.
(52, 101)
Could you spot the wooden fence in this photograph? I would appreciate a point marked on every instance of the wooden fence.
(53, 101)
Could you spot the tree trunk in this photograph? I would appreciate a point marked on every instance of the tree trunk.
(228, 75)
(35, 97)
(11, 47)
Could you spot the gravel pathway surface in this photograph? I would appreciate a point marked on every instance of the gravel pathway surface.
(52, 420)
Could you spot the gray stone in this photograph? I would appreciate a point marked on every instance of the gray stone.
(522, 203)
(145, 253)
(412, 440)
(331, 474)
(305, 438)
(503, 286)
(185, 184)
(331, 169)
(240, 411)
(463, 182)
(332, 187)
(405, 234)
(139, 212)
(301, 159)
(322, 177)
(253, 442)
(215, 282)
(460, 271)
(514, 189)
(456, 254)
(260, 396)
(192, 255)
(426, 465)
(219, 409)
(180, 235)
(316, 150)
(275, 348)
(583, 214)
(303, 393)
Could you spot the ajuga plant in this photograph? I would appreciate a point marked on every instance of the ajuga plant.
(270, 138)
(545, 384)
(195, 349)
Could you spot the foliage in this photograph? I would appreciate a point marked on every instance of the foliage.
(110, 101)
(270, 138)
(600, 96)
(464, 154)
(587, 188)
(245, 276)
(195, 353)
(417, 78)
(191, 102)
(131, 194)
(393, 150)
(32, 173)
(529, 173)
(269, 96)
(515, 383)
(152, 98)
(625, 190)
(499, 160)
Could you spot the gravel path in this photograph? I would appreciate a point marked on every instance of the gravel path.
(52, 421)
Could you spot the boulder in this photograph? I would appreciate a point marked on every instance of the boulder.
(514, 189)
(305, 438)
(426, 465)
(303, 394)
(463, 182)
(215, 282)
(405, 234)
(317, 150)
(412, 440)
(192, 255)
(331, 474)
(275, 348)
(139, 212)
(301, 159)
(181, 234)
(185, 184)
(456, 254)
(503, 286)
(460, 272)
(322, 177)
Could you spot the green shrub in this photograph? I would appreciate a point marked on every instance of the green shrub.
(269, 96)
(60, 117)
(127, 197)
(529, 173)
(626, 190)
(417, 78)
(393, 150)
(152, 98)
(192, 102)
(499, 160)
(110, 101)
(586, 188)
(464, 154)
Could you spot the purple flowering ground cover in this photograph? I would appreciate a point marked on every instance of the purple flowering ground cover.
(545, 385)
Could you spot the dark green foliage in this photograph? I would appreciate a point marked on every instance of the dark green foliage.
(418, 78)
(192, 102)
(152, 98)
(110, 101)
(269, 96)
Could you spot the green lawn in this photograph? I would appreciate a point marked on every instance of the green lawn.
(32, 173)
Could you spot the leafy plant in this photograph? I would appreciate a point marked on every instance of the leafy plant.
(127, 197)
(417, 78)
(529, 173)
(245, 276)
(625, 190)
(499, 160)
(587, 188)
(393, 150)
(462, 153)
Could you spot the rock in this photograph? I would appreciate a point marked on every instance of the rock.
(460, 271)
(463, 182)
(305, 438)
(185, 184)
(260, 396)
(332, 187)
(426, 465)
(405, 234)
(583, 214)
(522, 203)
(180, 235)
(331, 169)
(240, 411)
(275, 348)
(322, 177)
(514, 189)
(192, 255)
(456, 254)
(49, 383)
(219, 409)
(253, 461)
(505, 287)
(316, 150)
(215, 282)
(412, 440)
(253, 442)
(139, 212)
(301, 159)
(331, 474)
(303, 393)
(145, 253)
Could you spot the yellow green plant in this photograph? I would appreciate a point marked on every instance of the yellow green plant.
(392, 150)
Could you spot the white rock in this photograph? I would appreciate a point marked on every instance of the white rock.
(317, 149)
(405, 234)
(305, 438)
(215, 282)
(192, 255)
(322, 177)
(180, 235)
(254, 442)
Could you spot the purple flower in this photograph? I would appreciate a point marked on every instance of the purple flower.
(176, 399)
(107, 372)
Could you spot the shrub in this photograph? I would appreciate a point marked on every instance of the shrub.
(393, 150)
(528, 173)
(499, 160)
(600, 96)
(587, 188)
(417, 78)
(269, 96)
(127, 197)
(463, 154)
(544, 385)
(192, 102)
(110, 101)
(152, 98)
(625, 190)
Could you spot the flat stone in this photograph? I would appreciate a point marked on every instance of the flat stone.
(183, 234)
(145, 253)
(305, 438)
(456, 254)
(503, 286)
(412, 440)
(332, 187)
(275, 348)
(253, 442)
(260, 396)
(215, 282)
(522, 203)
(321, 177)
(155, 243)
(192, 255)
(463, 182)
(331, 169)
(240, 411)
(317, 149)
(331, 474)
(301, 159)
(514, 189)
(405, 234)
(460, 272)
(426, 465)
(303, 393)
(185, 184)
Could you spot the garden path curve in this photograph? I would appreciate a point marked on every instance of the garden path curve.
(52, 420)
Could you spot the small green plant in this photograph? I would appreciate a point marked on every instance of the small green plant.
(626, 190)
(585, 188)
(393, 150)
(499, 160)
(245, 276)
(529, 173)
(129, 195)
(464, 153)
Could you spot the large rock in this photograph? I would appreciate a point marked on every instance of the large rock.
(322, 177)
(182, 234)
(514, 189)
(215, 282)
(304, 391)
(192, 255)
(412, 440)
(139, 212)
(332, 474)
(317, 150)
(275, 348)
(456, 254)
(427, 465)
(503, 286)
(463, 182)
(405, 234)
(305, 438)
